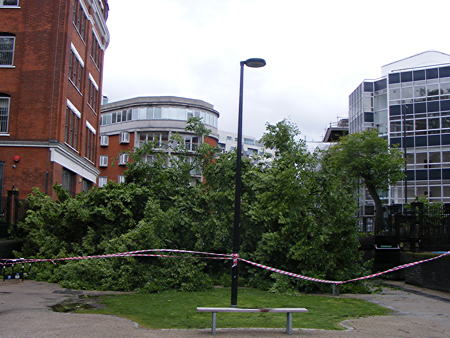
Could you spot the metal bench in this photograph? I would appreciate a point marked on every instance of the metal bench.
(288, 311)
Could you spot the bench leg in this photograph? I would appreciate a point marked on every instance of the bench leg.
(289, 323)
(213, 323)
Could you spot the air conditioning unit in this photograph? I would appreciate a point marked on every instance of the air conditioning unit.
(123, 159)
(103, 161)
(124, 137)
(104, 140)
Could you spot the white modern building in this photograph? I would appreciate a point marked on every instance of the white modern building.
(250, 145)
(410, 106)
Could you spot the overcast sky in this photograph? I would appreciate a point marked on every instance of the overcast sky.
(317, 53)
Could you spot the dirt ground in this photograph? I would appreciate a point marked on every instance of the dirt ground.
(25, 312)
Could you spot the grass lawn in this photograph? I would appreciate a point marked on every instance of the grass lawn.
(177, 310)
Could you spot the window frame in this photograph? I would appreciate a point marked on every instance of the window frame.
(102, 181)
(123, 159)
(8, 110)
(17, 5)
(72, 128)
(103, 161)
(12, 51)
(104, 140)
(124, 137)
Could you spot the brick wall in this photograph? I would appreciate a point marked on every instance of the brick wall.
(433, 275)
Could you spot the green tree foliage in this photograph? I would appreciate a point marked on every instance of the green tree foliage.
(368, 157)
(297, 215)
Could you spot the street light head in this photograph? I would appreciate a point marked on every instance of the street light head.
(255, 63)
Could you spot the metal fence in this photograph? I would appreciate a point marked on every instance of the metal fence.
(419, 228)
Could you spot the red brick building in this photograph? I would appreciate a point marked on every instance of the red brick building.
(51, 60)
(130, 123)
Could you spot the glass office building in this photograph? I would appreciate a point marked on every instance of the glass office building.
(410, 107)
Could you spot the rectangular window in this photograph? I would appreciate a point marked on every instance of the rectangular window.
(104, 140)
(123, 159)
(87, 185)
(90, 144)
(4, 113)
(103, 160)
(71, 128)
(9, 3)
(2, 164)
(93, 95)
(7, 49)
(124, 137)
(102, 181)
(75, 70)
(79, 19)
(96, 51)
(68, 181)
(121, 179)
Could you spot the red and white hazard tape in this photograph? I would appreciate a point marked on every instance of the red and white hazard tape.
(210, 255)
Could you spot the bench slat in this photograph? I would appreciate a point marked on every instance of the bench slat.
(233, 309)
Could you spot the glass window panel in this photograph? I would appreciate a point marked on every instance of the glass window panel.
(406, 76)
(407, 92)
(435, 191)
(394, 78)
(433, 106)
(446, 156)
(410, 158)
(135, 114)
(157, 112)
(433, 123)
(444, 72)
(114, 117)
(432, 89)
(446, 191)
(368, 86)
(409, 125)
(394, 94)
(432, 73)
(419, 75)
(396, 126)
(434, 157)
(421, 141)
(420, 107)
(445, 88)
(420, 91)
(380, 84)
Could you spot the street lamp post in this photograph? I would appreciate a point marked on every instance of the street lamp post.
(253, 63)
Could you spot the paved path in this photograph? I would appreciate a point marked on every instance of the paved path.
(24, 312)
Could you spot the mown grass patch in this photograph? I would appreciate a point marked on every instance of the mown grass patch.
(177, 310)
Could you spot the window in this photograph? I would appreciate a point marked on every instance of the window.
(104, 140)
(71, 128)
(93, 93)
(76, 65)
(102, 181)
(9, 3)
(87, 185)
(90, 143)
(7, 42)
(4, 112)
(68, 181)
(96, 51)
(103, 160)
(2, 164)
(124, 137)
(123, 159)
(121, 179)
(79, 19)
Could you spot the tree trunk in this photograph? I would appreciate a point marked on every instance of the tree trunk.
(378, 226)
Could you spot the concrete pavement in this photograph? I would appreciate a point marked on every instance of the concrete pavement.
(24, 312)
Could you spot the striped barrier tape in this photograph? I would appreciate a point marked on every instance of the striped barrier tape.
(207, 255)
